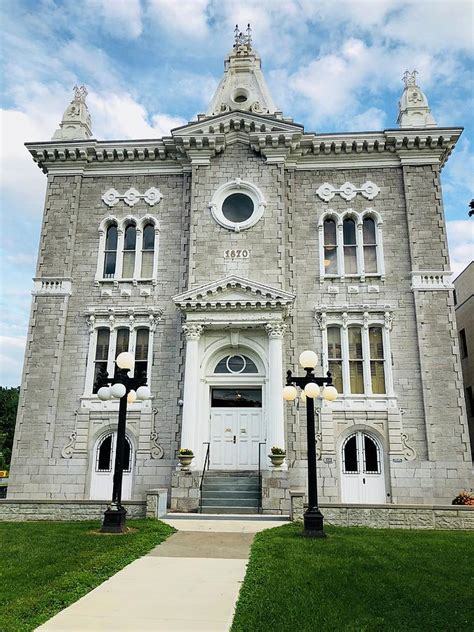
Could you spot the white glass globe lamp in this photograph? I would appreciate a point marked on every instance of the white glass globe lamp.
(329, 393)
(303, 397)
(125, 360)
(290, 393)
(312, 390)
(308, 359)
(131, 397)
(104, 393)
(143, 392)
(118, 390)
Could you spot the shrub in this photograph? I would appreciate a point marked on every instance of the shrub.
(185, 452)
(463, 498)
(276, 450)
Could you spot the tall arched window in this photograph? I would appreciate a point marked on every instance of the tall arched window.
(335, 356)
(110, 252)
(141, 352)
(356, 360)
(101, 354)
(148, 251)
(129, 245)
(330, 247)
(350, 246)
(370, 245)
(377, 371)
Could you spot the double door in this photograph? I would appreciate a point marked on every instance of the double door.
(235, 437)
(362, 470)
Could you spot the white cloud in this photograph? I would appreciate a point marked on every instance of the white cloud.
(371, 119)
(120, 18)
(187, 17)
(461, 244)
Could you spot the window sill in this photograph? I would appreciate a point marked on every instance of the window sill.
(134, 281)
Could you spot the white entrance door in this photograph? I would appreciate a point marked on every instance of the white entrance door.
(103, 468)
(235, 437)
(362, 470)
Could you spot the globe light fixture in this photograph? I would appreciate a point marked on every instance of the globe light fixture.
(303, 397)
(308, 359)
(104, 393)
(125, 360)
(131, 397)
(312, 390)
(329, 393)
(143, 393)
(118, 390)
(290, 393)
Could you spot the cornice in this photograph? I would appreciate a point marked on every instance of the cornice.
(277, 141)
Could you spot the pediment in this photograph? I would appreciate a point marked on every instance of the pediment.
(237, 121)
(234, 292)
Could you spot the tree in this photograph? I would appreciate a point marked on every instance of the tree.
(8, 407)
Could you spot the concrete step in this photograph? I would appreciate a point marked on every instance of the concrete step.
(231, 473)
(216, 487)
(230, 510)
(246, 493)
(230, 502)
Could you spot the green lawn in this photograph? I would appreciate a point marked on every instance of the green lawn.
(45, 566)
(358, 579)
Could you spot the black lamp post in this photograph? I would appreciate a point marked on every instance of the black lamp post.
(310, 384)
(128, 389)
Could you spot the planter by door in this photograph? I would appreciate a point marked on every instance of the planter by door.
(362, 470)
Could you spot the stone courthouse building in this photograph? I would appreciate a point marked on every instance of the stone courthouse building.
(216, 255)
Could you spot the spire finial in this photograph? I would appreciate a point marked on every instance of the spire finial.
(80, 93)
(242, 43)
(409, 78)
(76, 121)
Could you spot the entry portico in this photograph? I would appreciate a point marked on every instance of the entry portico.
(234, 332)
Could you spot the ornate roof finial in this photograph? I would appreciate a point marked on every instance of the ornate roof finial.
(409, 78)
(413, 109)
(76, 122)
(242, 43)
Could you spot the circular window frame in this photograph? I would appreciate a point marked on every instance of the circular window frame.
(237, 186)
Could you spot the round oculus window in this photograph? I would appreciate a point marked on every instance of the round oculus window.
(237, 207)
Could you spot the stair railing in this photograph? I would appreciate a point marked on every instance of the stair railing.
(259, 508)
(207, 461)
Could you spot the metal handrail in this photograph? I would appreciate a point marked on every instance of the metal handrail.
(207, 461)
(260, 477)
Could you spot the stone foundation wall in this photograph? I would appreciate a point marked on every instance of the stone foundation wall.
(275, 492)
(185, 491)
(391, 516)
(27, 510)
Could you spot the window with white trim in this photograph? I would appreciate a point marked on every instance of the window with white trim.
(128, 249)
(111, 336)
(351, 244)
(358, 353)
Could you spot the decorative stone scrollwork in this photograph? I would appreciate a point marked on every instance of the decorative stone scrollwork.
(409, 452)
(321, 319)
(151, 196)
(275, 330)
(388, 319)
(68, 449)
(192, 331)
(348, 191)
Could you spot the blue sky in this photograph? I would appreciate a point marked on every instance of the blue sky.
(151, 65)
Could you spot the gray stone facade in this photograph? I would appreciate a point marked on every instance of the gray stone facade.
(420, 426)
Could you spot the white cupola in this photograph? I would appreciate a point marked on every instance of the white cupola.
(413, 108)
(242, 87)
(76, 122)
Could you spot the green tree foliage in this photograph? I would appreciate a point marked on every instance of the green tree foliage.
(8, 408)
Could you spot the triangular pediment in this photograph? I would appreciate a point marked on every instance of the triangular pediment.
(234, 292)
(237, 121)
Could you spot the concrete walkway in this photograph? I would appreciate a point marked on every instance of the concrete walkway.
(190, 582)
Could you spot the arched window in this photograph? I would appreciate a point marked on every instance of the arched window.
(129, 244)
(350, 246)
(141, 352)
(377, 371)
(236, 364)
(370, 245)
(148, 251)
(330, 247)
(110, 252)
(335, 356)
(121, 342)
(106, 453)
(101, 354)
(356, 360)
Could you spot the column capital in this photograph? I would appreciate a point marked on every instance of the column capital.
(193, 331)
(275, 330)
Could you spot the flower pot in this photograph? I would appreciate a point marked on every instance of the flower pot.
(185, 460)
(277, 459)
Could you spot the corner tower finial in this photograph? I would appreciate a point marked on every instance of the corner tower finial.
(242, 86)
(76, 122)
(413, 109)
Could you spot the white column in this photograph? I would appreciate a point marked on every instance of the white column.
(191, 385)
(275, 415)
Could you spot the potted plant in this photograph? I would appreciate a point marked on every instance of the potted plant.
(185, 456)
(464, 498)
(277, 456)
